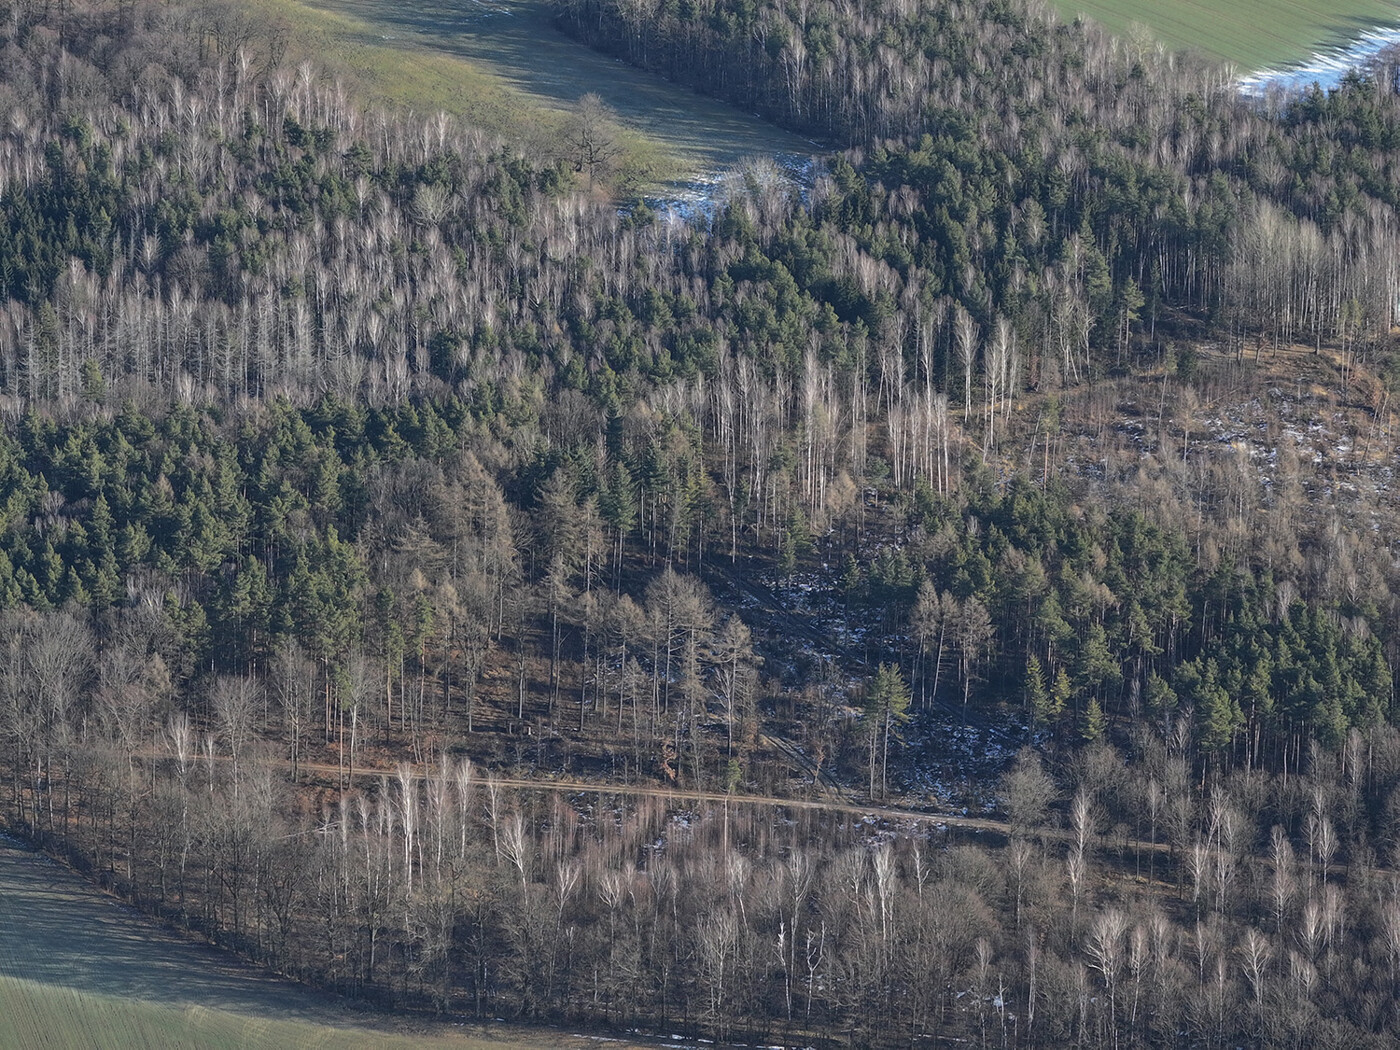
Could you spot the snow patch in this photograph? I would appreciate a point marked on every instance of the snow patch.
(1325, 67)
(701, 197)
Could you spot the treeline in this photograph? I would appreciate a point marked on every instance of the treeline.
(1258, 917)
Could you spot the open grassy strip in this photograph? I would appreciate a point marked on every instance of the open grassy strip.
(388, 70)
(37, 1016)
(503, 67)
(508, 70)
(397, 70)
(1253, 34)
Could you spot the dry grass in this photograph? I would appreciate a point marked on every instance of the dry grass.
(380, 68)
(37, 1015)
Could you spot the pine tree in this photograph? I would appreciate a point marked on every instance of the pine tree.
(886, 705)
(1218, 715)
(1037, 695)
(1060, 694)
(1095, 724)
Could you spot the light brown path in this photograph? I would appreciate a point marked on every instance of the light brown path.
(830, 805)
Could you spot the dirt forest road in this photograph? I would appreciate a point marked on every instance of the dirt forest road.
(891, 814)
(895, 819)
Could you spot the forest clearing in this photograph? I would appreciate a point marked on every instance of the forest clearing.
(507, 68)
(514, 43)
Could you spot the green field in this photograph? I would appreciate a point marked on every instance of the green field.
(33, 1016)
(383, 64)
(1252, 34)
(78, 969)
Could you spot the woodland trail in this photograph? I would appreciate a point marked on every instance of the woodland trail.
(922, 820)
(830, 805)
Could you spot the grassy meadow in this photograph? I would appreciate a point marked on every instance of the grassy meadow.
(1252, 34)
(503, 67)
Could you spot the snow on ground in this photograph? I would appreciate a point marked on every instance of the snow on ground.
(1325, 68)
(701, 196)
(960, 762)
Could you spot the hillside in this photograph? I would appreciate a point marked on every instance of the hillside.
(966, 582)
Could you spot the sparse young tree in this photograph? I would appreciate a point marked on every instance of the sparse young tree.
(886, 707)
(593, 138)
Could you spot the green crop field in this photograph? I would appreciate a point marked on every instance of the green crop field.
(80, 970)
(1252, 34)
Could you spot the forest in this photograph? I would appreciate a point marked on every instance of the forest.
(445, 584)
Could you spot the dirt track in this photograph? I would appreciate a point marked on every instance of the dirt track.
(892, 813)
